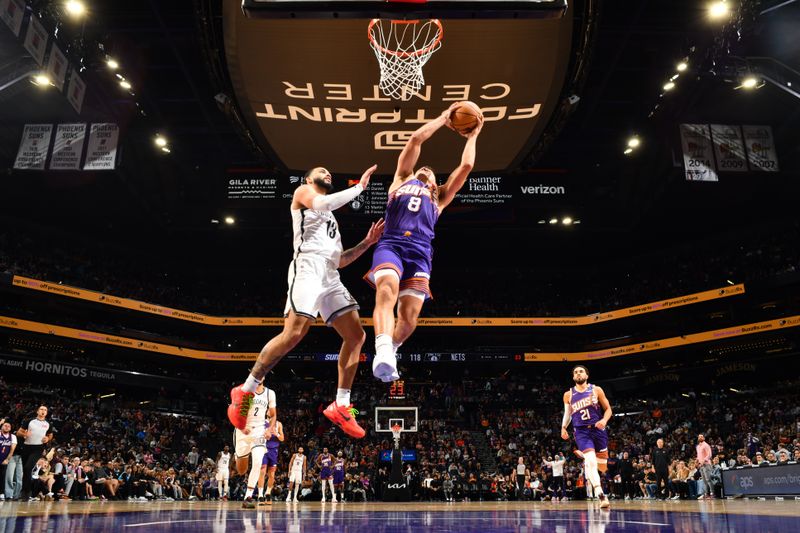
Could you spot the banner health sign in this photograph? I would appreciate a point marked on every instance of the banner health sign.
(309, 89)
(763, 481)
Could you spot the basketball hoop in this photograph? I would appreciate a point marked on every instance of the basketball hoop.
(396, 430)
(402, 48)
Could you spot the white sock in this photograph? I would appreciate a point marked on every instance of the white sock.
(249, 492)
(269, 491)
(296, 488)
(260, 492)
(396, 346)
(343, 397)
(250, 384)
(383, 345)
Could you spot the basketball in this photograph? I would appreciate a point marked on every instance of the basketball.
(465, 117)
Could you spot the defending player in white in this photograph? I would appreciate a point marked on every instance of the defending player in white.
(250, 443)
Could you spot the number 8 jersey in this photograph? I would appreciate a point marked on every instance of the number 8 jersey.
(411, 212)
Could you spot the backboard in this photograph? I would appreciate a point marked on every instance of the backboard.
(450, 9)
(405, 417)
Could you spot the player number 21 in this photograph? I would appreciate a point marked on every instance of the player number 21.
(585, 414)
(414, 203)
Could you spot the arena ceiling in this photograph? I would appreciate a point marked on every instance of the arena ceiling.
(175, 56)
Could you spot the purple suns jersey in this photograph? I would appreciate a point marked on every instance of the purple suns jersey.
(411, 212)
(585, 407)
(338, 466)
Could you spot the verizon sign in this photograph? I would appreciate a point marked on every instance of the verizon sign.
(543, 189)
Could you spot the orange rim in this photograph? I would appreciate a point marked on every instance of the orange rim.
(404, 54)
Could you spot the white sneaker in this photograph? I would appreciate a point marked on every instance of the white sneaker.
(334, 500)
(289, 499)
(385, 368)
(323, 499)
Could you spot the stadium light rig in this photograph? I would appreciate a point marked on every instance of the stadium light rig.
(719, 10)
(75, 8)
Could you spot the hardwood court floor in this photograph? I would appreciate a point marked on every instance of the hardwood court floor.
(565, 517)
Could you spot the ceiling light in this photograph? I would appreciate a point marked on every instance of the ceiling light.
(41, 79)
(680, 67)
(554, 221)
(749, 82)
(125, 84)
(230, 220)
(718, 9)
(576, 221)
(566, 221)
(112, 64)
(542, 222)
(628, 151)
(633, 142)
(160, 141)
(675, 77)
(729, 282)
(165, 149)
(75, 8)
(669, 86)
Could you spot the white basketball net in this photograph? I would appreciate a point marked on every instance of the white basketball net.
(402, 48)
(396, 433)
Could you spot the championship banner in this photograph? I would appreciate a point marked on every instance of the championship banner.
(33, 147)
(76, 91)
(135, 305)
(12, 12)
(36, 40)
(167, 349)
(57, 66)
(698, 156)
(760, 145)
(101, 154)
(729, 148)
(68, 147)
(683, 340)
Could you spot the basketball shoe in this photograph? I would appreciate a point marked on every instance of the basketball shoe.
(385, 368)
(604, 503)
(345, 417)
(239, 407)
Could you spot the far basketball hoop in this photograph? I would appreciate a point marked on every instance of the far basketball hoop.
(402, 48)
(396, 430)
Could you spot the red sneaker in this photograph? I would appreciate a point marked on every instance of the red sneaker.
(345, 418)
(239, 407)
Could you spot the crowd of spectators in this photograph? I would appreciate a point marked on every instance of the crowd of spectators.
(239, 290)
(478, 439)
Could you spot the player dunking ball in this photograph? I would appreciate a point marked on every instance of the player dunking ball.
(316, 289)
(324, 463)
(401, 263)
(249, 443)
(582, 407)
(270, 464)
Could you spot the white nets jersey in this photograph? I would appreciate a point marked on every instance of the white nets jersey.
(297, 464)
(257, 416)
(224, 463)
(316, 233)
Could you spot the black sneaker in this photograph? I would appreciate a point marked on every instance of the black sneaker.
(262, 500)
(249, 503)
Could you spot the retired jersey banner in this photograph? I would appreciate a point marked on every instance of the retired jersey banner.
(729, 148)
(36, 40)
(68, 147)
(76, 91)
(33, 147)
(57, 66)
(698, 153)
(12, 11)
(101, 154)
(760, 148)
